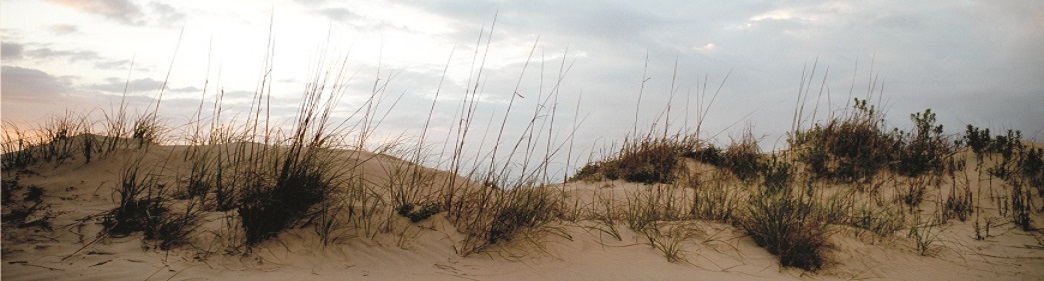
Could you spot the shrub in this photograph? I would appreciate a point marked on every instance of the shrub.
(425, 211)
(1032, 167)
(743, 158)
(590, 171)
(776, 173)
(709, 154)
(958, 205)
(1021, 206)
(848, 149)
(1010, 147)
(922, 151)
(978, 140)
(646, 160)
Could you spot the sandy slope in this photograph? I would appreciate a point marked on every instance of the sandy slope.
(76, 193)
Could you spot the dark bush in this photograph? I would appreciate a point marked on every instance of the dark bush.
(425, 211)
(266, 210)
(787, 228)
(647, 160)
(709, 154)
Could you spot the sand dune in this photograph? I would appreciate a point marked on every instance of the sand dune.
(62, 238)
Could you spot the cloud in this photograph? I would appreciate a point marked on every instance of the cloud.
(70, 55)
(112, 64)
(188, 89)
(16, 51)
(63, 29)
(31, 85)
(580, 20)
(119, 10)
(11, 51)
(165, 14)
(709, 47)
(339, 14)
(116, 85)
(123, 11)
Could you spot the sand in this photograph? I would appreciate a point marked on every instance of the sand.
(77, 193)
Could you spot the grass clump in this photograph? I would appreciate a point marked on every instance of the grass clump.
(718, 201)
(924, 235)
(669, 242)
(787, 227)
(522, 208)
(657, 203)
(490, 216)
(141, 204)
(174, 230)
(268, 208)
(16, 152)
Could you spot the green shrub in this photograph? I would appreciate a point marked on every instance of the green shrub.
(979, 140)
(1032, 167)
(425, 211)
(924, 150)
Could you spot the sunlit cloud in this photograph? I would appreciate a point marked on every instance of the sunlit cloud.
(120, 10)
(709, 47)
(63, 29)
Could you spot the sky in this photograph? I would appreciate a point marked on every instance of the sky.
(607, 66)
